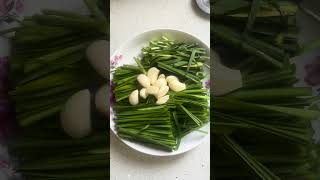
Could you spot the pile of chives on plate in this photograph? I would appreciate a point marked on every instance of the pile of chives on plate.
(48, 65)
(263, 130)
(163, 126)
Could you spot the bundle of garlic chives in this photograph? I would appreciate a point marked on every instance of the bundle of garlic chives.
(146, 123)
(268, 112)
(46, 65)
(125, 81)
(62, 158)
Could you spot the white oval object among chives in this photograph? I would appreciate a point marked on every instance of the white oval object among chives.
(134, 97)
(171, 78)
(132, 49)
(143, 93)
(162, 91)
(160, 82)
(153, 74)
(162, 76)
(163, 99)
(153, 90)
(76, 115)
(177, 86)
(143, 80)
(98, 54)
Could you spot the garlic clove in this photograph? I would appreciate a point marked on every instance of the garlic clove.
(153, 90)
(162, 100)
(171, 78)
(177, 86)
(162, 76)
(76, 115)
(98, 55)
(143, 80)
(143, 93)
(134, 97)
(160, 82)
(153, 74)
(163, 91)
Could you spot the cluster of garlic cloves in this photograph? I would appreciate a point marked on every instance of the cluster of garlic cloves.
(156, 85)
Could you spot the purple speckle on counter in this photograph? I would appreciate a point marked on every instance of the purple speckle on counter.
(10, 8)
(3, 7)
(115, 60)
(19, 6)
(207, 84)
(4, 163)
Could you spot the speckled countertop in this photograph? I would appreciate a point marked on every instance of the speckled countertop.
(129, 18)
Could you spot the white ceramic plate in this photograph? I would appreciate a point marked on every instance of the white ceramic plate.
(125, 55)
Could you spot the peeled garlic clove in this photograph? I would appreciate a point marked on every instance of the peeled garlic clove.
(160, 82)
(76, 115)
(177, 86)
(134, 97)
(162, 76)
(171, 78)
(153, 74)
(163, 91)
(163, 100)
(143, 93)
(98, 55)
(143, 80)
(153, 90)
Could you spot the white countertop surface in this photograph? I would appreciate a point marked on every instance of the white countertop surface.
(130, 18)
